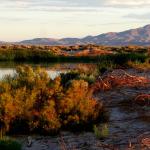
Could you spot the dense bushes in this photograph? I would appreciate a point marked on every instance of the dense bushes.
(55, 54)
(32, 102)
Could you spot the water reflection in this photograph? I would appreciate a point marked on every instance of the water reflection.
(6, 71)
(52, 73)
(53, 69)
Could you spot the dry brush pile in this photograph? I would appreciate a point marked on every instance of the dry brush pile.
(119, 78)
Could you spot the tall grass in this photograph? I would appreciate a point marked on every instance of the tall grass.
(139, 65)
(28, 55)
(109, 62)
(25, 55)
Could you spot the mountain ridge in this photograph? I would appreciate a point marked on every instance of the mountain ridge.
(139, 36)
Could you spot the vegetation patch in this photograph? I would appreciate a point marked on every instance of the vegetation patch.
(119, 78)
(9, 144)
(101, 131)
(106, 56)
(31, 102)
(139, 65)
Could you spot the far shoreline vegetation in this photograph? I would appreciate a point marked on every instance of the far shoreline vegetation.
(119, 55)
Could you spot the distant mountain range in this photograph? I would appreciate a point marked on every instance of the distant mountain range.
(139, 36)
(1, 42)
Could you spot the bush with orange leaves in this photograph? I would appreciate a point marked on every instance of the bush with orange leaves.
(32, 102)
(77, 106)
(119, 78)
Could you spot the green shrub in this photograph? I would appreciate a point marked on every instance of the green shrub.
(65, 78)
(9, 144)
(102, 131)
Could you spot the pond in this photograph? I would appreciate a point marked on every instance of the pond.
(11, 71)
(53, 69)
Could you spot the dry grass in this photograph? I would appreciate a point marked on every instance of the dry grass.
(140, 66)
(144, 140)
(142, 99)
(93, 52)
(119, 78)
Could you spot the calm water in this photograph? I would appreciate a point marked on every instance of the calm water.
(52, 73)
(53, 69)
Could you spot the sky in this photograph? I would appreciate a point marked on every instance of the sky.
(28, 19)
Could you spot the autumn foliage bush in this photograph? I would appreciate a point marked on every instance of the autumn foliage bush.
(31, 101)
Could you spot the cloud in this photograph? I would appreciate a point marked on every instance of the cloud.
(87, 3)
(80, 4)
(51, 5)
(144, 16)
(75, 6)
(129, 3)
(18, 19)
